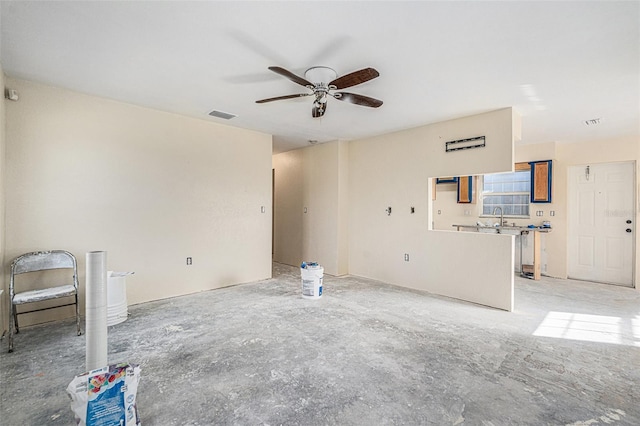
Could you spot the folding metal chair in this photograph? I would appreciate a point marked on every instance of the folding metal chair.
(41, 261)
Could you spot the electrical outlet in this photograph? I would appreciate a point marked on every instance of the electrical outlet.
(552, 213)
(262, 209)
(439, 211)
(413, 210)
(305, 210)
(467, 212)
(189, 261)
(406, 257)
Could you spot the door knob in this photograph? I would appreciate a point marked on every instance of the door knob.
(628, 229)
(628, 221)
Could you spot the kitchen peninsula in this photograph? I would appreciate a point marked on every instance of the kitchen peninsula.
(528, 271)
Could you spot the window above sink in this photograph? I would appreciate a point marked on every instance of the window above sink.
(510, 191)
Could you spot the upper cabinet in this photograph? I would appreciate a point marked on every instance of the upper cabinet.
(540, 181)
(465, 189)
(450, 179)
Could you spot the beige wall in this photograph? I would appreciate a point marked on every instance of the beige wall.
(566, 155)
(393, 171)
(311, 206)
(288, 207)
(4, 324)
(343, 208)
(447, 211)
(346, 188)
(150, 188)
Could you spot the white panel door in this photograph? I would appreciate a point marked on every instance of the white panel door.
(601, 228)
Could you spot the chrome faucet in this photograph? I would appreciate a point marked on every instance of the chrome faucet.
(501, 215)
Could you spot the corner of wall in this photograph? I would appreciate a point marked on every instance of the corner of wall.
(343, 208)
(5, 298)
(516, 123)
(311, 206)
(287, 222)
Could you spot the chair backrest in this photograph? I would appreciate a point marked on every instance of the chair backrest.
(43, 260)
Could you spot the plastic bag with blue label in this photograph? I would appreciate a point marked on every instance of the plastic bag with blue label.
(106, 396)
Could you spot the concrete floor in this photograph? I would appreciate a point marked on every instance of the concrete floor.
(367, 353)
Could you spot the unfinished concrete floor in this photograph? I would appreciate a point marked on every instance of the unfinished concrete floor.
(367, 353)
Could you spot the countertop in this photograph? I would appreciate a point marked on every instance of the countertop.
(506, 228)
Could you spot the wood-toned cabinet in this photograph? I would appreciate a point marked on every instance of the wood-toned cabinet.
(465, 190)
(541, 181)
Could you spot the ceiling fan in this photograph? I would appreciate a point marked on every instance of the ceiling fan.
(323, 82)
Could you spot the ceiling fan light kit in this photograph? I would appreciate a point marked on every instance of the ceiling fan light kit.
(323, 81)
(321, 75)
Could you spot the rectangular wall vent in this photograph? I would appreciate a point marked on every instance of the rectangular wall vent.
(223, 115)
(477, 142)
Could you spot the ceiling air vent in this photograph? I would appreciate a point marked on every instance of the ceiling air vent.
(223, 115)
(592, 122)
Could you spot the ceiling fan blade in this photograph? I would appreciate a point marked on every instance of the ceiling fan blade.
(291, 76)
(318, 112)
(354, 78)
(358, 99)
(279, 98)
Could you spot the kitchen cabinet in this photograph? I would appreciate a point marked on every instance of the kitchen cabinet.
(450, 179)
(465, 190)
(541, 181)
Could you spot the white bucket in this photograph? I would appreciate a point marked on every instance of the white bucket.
(117, 310)
(312, 281)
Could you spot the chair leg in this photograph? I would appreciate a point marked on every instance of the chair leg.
(15, 319)
(78, 316)
(11, 325)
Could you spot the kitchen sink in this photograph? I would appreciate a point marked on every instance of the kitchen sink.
(488, 230)
(506, 230)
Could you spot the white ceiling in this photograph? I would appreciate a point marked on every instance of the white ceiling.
(558, 63)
